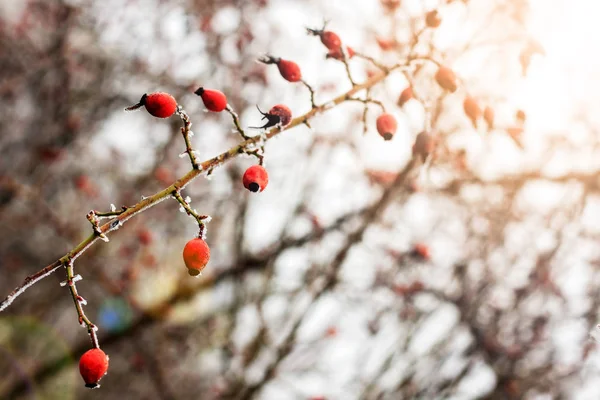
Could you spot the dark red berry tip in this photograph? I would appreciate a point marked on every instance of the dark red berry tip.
(254, 187)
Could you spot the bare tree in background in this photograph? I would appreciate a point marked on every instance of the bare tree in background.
(457, 260)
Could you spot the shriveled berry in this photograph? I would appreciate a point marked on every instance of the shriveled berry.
(196, 254)
(446, 78)
(289, 70)
(472, 109)
(432, 19)
(386, 126)
(255, 178)
(279, 114)
(93, 365)
(159, 104)
(214, 100)
(405, 96)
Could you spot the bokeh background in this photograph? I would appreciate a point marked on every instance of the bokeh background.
(475, 277)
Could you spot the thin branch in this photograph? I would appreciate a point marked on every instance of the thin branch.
(180, 183)
(312, 93)
(187, 133)
(189, 211)
(79, 303)
(236, 122)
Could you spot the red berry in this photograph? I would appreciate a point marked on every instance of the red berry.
(421, 250)
(472, 109)
(288, 69)
(386, 44)
(196, 254)
(159, 104)
(213, 99)
(432, 19)
(387, 126)
(93, 365)
(446, 78)
(338, 53)
(331, 40)
(255, 178)
(488, 116)
(405, 96)
(144, 236)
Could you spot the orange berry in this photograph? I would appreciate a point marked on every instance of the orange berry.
(255, 178)
(196, 254)
(405, 96)
(386, 126)
(432, 19)
(472, 109)
(93, 365)
(446, 78)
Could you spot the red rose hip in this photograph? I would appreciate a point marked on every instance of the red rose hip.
(159, 104)
(196, 254)
(289, 70)
(255, 178)
(93, 365)
(213, 99)
(386, 126)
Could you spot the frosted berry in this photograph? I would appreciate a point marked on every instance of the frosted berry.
(196, 254)
(488, 116)
(446, 78)
(213, 99)
(387, 126)
(405, 96)
(93, 365)
(289, 70)
(255, 178)
(159, 104)
(432, 19)
(472, 109)
(279, 114)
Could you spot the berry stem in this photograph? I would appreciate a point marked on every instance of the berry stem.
(185, 131)
(78, 300)
(312, 93)
(236, 122)
(189, 211)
